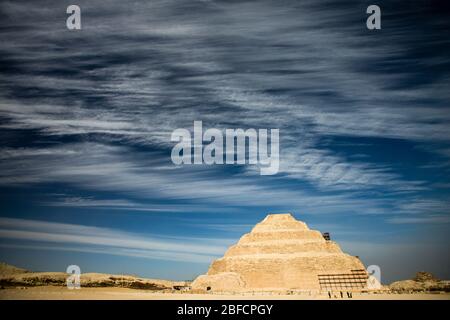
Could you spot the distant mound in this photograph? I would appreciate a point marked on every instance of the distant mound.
(422, 282)
(7, 269)
(11, 276)
(423, 276)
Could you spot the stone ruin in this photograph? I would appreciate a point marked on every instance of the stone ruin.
(282, 254)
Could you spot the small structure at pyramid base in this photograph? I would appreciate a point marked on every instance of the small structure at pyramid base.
(280, 254)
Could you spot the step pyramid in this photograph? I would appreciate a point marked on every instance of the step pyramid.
(282, 253)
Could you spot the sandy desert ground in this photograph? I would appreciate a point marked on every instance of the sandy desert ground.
(21, 284)
(62, 293)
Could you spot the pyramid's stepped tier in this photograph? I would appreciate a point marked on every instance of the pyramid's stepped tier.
(302, 262)
(279, 253)
(307, 235)
(281, 222)
(278, 272)
(283, 247)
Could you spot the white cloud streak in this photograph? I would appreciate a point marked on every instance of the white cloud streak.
(105, 240)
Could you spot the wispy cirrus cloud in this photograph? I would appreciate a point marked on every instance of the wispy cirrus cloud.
(97, 240)
(105, 168)
(420, 219)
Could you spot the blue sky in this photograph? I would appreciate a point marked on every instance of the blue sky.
(86, 116)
